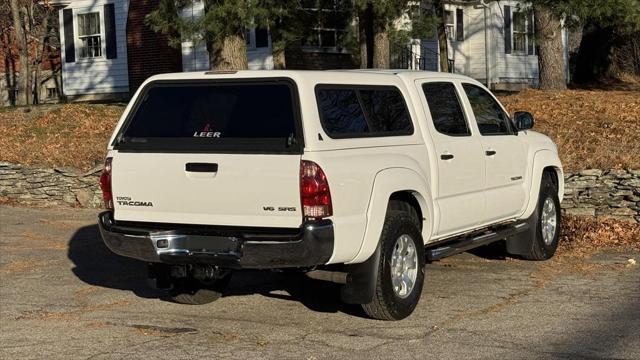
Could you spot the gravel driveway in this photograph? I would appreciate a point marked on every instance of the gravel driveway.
(64, 295)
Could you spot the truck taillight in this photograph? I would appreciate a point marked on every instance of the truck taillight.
(314, 191)
(105, 184)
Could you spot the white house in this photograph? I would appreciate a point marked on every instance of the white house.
(196, 58)
(108, 51)
(94, 47)
(491, 41)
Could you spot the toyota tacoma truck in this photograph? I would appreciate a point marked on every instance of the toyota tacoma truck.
(356, 177)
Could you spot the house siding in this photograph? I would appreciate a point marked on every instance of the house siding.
(98, 75)
(469, 54)
(509, 68)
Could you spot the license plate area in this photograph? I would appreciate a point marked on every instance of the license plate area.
(172, 243)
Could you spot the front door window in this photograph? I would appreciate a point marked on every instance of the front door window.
(491, 119)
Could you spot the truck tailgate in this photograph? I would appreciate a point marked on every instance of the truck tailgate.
(244, 190)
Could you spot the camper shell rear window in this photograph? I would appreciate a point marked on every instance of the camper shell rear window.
(238, 115)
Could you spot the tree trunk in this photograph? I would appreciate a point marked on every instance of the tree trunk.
(41, 50)
(365, 37)
(443, 47)
(551, 53)
(37, 74)
(278, 45)
(23, 54)
(381, 44)
(362, 41)
(231, 54)
(279, 59)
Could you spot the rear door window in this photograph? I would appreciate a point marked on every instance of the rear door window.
(351, 111)
(445, 109)
(255, 116)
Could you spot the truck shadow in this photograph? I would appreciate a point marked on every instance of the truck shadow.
(320, 296)
(96, 265)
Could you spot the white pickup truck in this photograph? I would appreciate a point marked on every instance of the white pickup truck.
(356, 177)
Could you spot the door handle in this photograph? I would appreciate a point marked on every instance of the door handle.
(201, 167)
(446, 156)
(490, 152)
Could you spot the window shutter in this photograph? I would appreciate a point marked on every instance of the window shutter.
(459, 25)
(530, 34)
(69, 45)
(110, 31)
(507, 29)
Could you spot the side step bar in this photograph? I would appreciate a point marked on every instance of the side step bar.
(462, 244)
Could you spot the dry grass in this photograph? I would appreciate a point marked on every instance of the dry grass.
(582, 236)
(63, 135)
(592, 128)
(596, 128)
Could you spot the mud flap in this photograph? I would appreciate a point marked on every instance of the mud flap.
(361, 280)
(520, 243)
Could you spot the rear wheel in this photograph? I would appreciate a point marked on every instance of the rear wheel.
(545, 224)
(401, 269)
(191, 291)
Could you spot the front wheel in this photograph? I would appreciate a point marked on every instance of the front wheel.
(400, 271)
(545, 227)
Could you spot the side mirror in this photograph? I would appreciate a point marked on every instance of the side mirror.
(524, 120)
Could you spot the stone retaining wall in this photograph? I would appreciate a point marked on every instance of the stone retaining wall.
(45, 186)
(594, 192)
(614, 193)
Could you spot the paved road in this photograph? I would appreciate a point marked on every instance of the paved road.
(64, 295)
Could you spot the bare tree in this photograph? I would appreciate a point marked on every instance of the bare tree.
(40, 29)
(20, 36)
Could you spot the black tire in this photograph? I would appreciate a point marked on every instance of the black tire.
(386, 304)
(191, 291)
(399, 205)
(538, 249)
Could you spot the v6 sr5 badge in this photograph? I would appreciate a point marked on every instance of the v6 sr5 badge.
(278, 209)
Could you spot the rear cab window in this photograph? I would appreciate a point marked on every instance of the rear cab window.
(353, 111)
(253, 115)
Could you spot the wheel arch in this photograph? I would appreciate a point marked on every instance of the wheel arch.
(414, 200)
(544, 161)
(400, 184)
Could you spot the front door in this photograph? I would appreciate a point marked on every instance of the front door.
(504, 155)
(461, 174)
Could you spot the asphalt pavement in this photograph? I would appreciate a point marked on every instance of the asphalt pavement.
(63, 295)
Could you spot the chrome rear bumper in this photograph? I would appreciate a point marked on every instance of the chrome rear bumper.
(262, 248)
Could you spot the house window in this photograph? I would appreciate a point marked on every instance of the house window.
(329, 19)
(90, 35)
(257, 38)
(522, 39)
(519, 32)
(52, 93)
(449, 24)
(454, 24)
